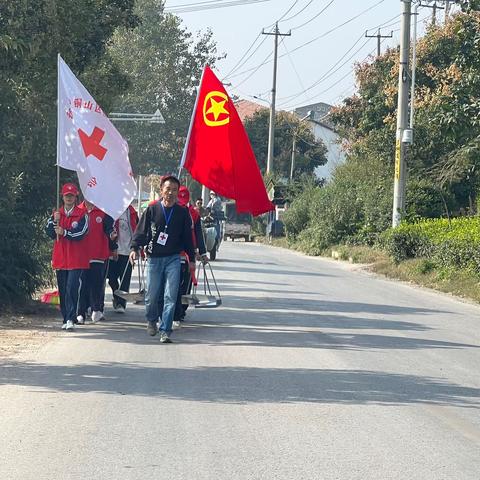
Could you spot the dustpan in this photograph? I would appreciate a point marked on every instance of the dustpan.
(208, 298)
(134, 297)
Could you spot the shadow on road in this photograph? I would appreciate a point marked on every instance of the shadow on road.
(243, 385)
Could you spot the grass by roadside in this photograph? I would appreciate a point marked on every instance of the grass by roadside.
(420, 271)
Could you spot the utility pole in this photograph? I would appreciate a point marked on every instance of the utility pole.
(447, 9)
(378, 37)
(271, 132)
(402, 115)
(434, 8)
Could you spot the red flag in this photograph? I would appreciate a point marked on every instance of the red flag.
(218, 153)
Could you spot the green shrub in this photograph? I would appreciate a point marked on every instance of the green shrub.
(448, 244)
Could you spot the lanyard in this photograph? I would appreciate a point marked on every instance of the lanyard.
(167, 219)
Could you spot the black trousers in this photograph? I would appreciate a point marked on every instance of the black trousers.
(68, 288)
(116, 269)
(93, 289)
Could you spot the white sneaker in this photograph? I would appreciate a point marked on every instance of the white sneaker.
(80, 320)
(69, 325)
(64, 326)
(96, 316)
(120, 309)
(176, 325)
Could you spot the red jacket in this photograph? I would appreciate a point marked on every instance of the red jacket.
(98, 243)
(69, 252)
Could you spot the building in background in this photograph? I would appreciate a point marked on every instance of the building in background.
(246, 108)
(323, 130)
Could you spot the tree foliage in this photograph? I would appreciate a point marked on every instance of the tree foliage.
(163, 62)
(32, 33)
(310, 153)
(444, 161)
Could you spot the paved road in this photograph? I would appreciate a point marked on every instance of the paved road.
(310, 370)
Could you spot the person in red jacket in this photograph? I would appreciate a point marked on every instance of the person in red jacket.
(120, 269)
(100, 244)
(68, 227)
(200, 254)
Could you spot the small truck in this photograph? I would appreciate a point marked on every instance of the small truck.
(237, 225)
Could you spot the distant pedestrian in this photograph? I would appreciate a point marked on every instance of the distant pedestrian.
(165, 230)
(214, 206)
(68, 228)
(202, 211)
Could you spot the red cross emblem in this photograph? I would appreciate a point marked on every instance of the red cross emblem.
(163, 237)
(91, 144)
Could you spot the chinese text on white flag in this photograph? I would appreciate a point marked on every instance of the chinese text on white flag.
(88, 143)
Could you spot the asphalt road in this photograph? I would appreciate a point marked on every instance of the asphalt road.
(309, 370)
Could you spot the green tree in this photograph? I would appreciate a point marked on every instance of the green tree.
(310, 153)
(444, 161)
(164, 63)
(32, 33)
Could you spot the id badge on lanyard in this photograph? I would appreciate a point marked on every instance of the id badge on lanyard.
(163, 237)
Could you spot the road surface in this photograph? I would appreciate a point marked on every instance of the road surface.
(310, 370)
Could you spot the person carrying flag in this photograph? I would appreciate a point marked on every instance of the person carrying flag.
(165, 230)
(68, 227)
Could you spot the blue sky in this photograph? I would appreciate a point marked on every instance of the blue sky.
(236, 28)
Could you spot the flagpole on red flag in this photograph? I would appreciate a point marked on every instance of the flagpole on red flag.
(218, 153)
(187, 141)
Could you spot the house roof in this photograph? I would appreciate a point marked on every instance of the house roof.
(246, 108)
(320, 111)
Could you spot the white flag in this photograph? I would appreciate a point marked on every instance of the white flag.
(88, 143)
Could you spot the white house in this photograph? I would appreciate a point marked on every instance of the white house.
(323, 130)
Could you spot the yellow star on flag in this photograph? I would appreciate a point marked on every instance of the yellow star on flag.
(217, 108)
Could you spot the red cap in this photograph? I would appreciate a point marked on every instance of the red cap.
(69, 189)
(183, 196)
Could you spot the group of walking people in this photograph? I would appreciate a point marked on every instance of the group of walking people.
(90, 247)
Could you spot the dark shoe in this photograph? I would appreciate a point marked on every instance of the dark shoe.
(164, 338)
(152, 329)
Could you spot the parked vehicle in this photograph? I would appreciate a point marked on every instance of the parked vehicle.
(237, 225)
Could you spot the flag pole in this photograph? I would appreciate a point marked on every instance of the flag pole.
(58, 135)
(184, 154)
(58, 131)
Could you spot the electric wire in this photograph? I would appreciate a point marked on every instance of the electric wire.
(314, 17)
(316, 38)
(240, 64)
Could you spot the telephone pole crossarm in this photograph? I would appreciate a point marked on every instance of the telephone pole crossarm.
(378, 36)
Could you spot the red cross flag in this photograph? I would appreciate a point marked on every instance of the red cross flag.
(88, 143)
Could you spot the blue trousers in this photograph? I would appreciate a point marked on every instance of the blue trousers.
(69, 289)
(163, 278)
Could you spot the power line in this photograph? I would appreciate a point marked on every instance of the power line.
(298, 13)
(293, 65)
(210, 4)
(332, 70)
(343, 77)
(239, 64)
(316, 38)
(314, 17)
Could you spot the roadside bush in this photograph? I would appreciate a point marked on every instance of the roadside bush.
(297, 217)
(454, 244)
